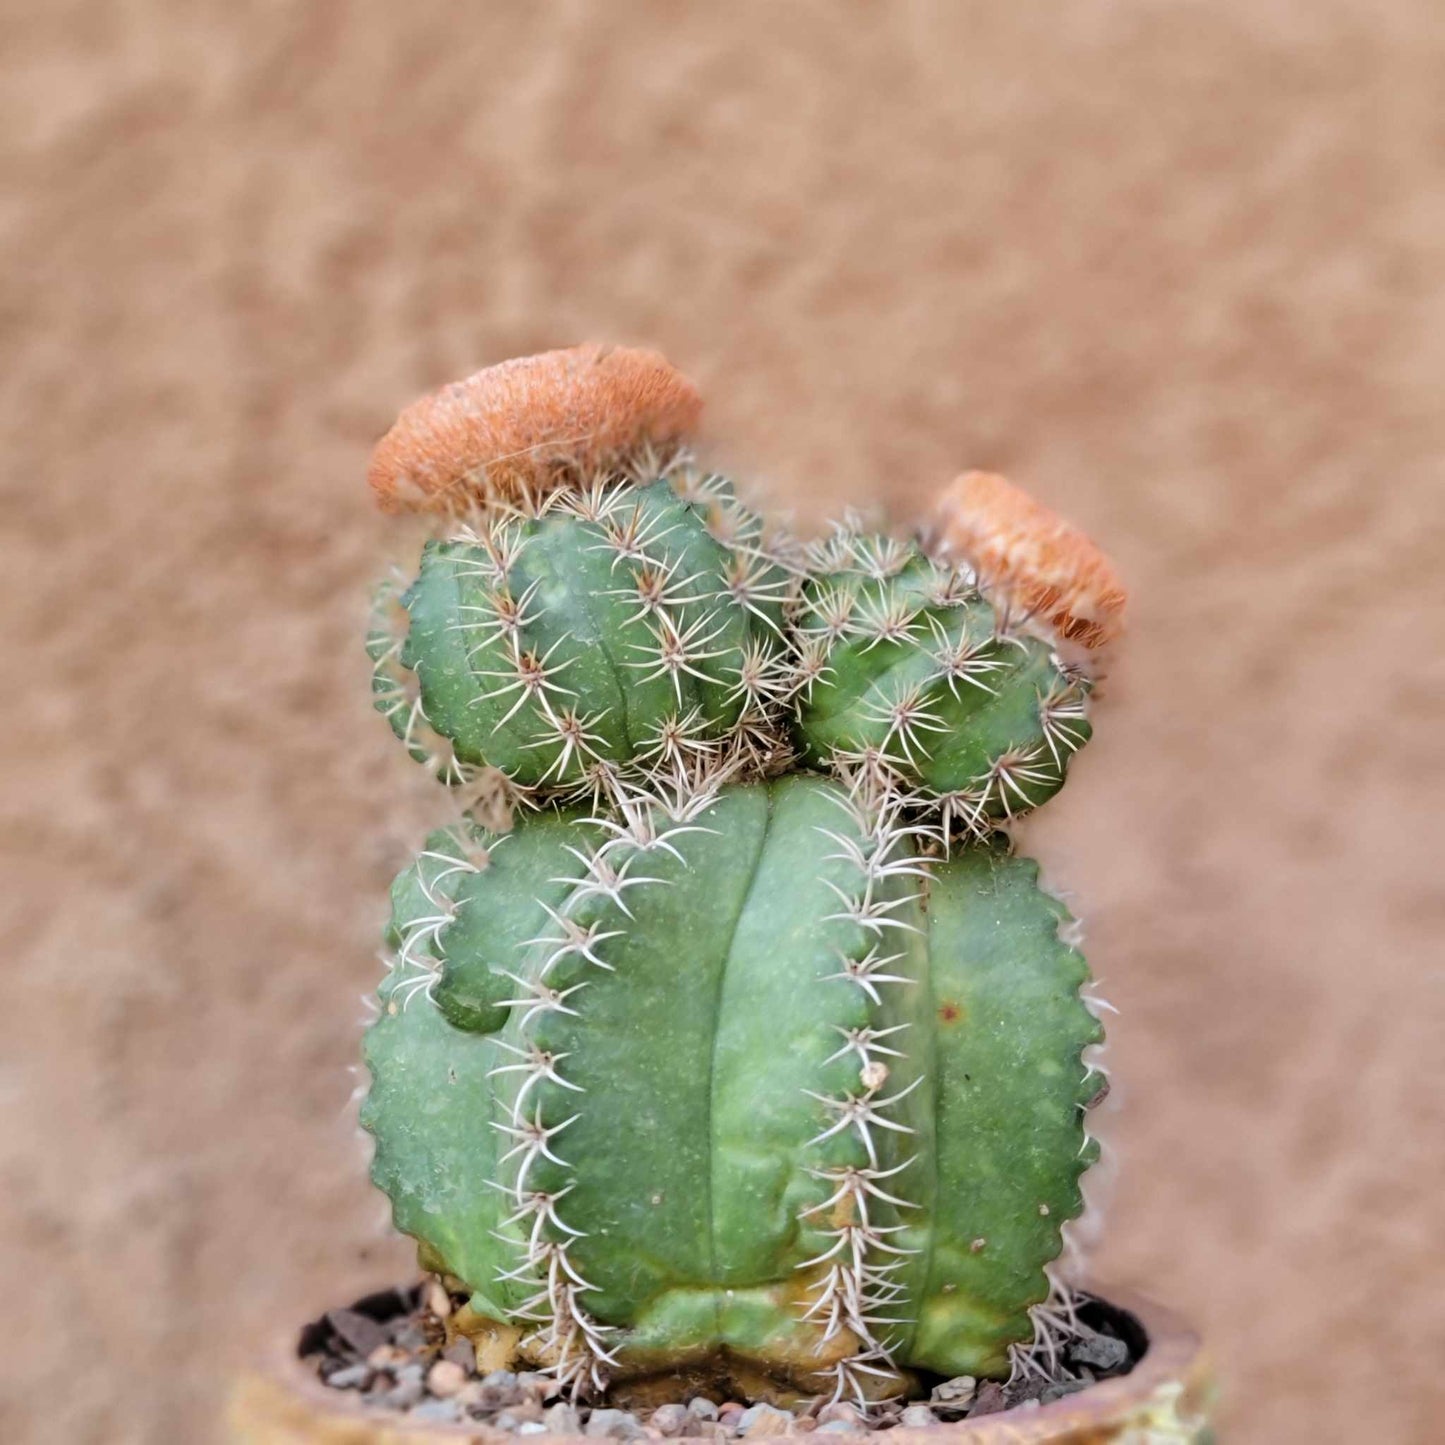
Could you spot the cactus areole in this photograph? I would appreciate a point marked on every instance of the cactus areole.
(749, 1052)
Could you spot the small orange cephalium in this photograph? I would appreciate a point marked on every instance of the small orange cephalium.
(513, 429)
(1022, 549)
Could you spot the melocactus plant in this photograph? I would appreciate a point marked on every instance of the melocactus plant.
(713, 1065)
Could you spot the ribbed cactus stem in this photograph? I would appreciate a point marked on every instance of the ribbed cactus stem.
(845, 1078)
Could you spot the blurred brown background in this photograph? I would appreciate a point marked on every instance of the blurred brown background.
(1176, 266)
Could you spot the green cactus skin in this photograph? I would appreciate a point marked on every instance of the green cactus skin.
(394, 691)
(750, 1090)
(623, 632)
(913, 678)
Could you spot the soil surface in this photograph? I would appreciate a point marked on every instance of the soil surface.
(393, 1350)
(1176, 267)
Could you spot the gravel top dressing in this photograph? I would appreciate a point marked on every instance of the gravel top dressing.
(391, 1349)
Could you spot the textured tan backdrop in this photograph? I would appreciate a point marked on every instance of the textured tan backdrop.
(1178, 266)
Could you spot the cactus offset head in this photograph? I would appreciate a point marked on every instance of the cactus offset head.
(620, 633)
(917, 683)
(713, 1067)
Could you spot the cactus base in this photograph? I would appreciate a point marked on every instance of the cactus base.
(1167, 1396)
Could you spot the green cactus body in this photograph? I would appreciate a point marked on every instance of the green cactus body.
(749, 1090)
(913, 677)
(709, 1072)
(620, 632)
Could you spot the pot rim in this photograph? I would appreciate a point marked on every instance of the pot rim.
(1173, 1354)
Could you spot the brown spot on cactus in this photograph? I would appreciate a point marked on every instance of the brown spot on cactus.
(1027, 552)
(513, 428)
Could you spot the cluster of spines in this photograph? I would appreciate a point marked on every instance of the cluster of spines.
(761, 576)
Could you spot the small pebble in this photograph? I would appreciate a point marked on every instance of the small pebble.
(837, 1427)
(500, 1389)
(805, 1424)
(410, 1337)
(353, 1377)
(614, 1425)
(438, 1410)
(437, 1300)
(762, 1420)
(1064, 1387)
(409, 1373)
(543, 1387)
(562, 1419)
(498, 1397)
(729, 1410)
(989, 1400)
(445, 1379)
(1022, 1391)
(406, 1394)
(360, 1333)
(917, 1417)
(1104, 1352)
(956, 1392)
(669, 1420)
(531, 1427)
(461, 1352)
(702, 1407)
(839, 1410)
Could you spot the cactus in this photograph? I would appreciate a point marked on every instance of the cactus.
(710, 1067)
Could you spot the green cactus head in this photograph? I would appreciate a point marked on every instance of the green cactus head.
(713, 1067)
(621, 632)
(916, 681)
